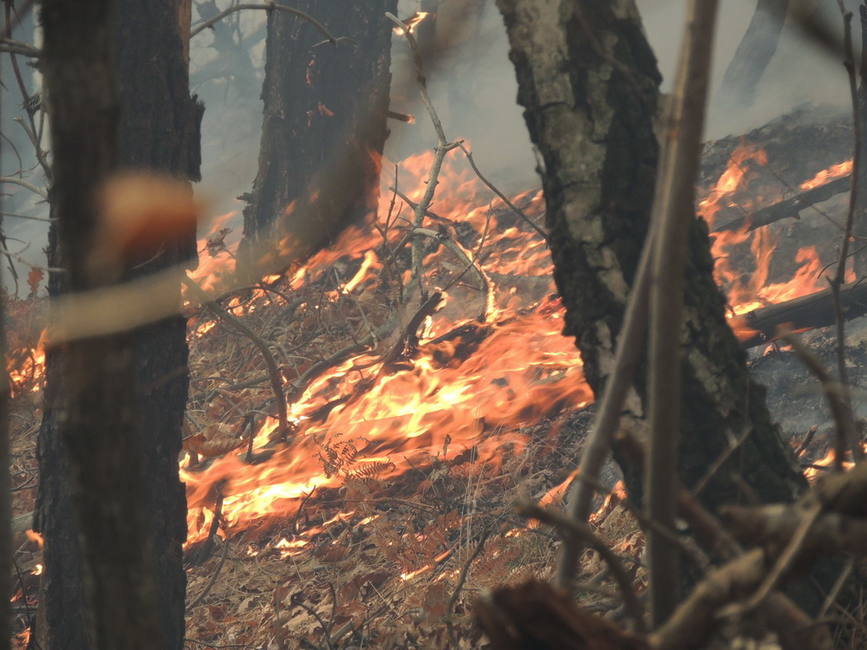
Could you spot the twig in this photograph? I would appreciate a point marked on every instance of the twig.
(571, 528)
(845, 438)
(268, 357)
(30, 186)
(17, 47)
(267, 6)
(464, 256)
(465, 571)
(831, 598)
(808, 439)
(213, 579)
(721, 460)
(630, 346)
(832, 391)
(503, 197)
(325, 628)
(675, 206)
(442, 148)
(783, 563)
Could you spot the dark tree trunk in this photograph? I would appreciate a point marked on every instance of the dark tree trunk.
(589, 83)
(111, 506)
(324, 125)
(754, 53)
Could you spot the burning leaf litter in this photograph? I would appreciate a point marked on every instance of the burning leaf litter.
(397, 464)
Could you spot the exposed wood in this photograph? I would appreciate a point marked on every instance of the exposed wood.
(807, 312)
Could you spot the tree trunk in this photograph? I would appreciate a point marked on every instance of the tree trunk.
(754, 53)
(324, 125)
(589, 83)
(111, 506)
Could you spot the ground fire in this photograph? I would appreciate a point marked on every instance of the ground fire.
(360, 406)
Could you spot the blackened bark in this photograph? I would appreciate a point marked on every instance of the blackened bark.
(754, 53)
(589, 83)
(111, 506)
(324, 125)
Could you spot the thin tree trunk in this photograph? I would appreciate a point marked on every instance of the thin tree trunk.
(589, 83)
(324, 125)
(5, 499)
(111, 506)
(754, 53)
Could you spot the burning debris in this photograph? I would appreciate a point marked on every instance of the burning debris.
(411, 431)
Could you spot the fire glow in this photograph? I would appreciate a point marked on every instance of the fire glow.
(747, 292)
(441, 401)
(472, 384)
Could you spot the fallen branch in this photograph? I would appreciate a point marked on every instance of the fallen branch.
(270, 363)
(846, 435)
(783, 209)
(571, 528)
(807, 312)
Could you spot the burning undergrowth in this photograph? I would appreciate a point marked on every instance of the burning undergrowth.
(384, 504)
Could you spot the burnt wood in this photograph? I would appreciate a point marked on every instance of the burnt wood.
(786, 208)
(324, 126)
(110, 505)
(807, 312)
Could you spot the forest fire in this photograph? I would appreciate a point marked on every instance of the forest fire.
(473, 382)
(749, 291)
(365, 418)
(469, 376)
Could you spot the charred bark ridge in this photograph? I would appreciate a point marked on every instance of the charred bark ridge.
(324, 124)
(589, 83)
(110, 505)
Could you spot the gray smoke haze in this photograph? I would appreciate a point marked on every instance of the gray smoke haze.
(474, 89)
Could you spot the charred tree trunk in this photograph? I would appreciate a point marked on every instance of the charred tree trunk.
(111, 506)
(590, 109)
(589, 83)
(754, 53)
(324, 125)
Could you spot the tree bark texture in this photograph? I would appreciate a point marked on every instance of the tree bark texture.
(589, 83)
(111, 506)
(324, 126)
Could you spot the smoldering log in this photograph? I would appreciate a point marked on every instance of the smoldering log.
(807, 312)
(735, 219)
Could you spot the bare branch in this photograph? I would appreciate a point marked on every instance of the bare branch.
(571, 528)
(845, 437)
(261, 345)
(503, 197)
(674, 206)
(30, 186)
(267, 6)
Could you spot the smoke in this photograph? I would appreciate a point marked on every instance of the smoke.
(473, 88)
(799, 72)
